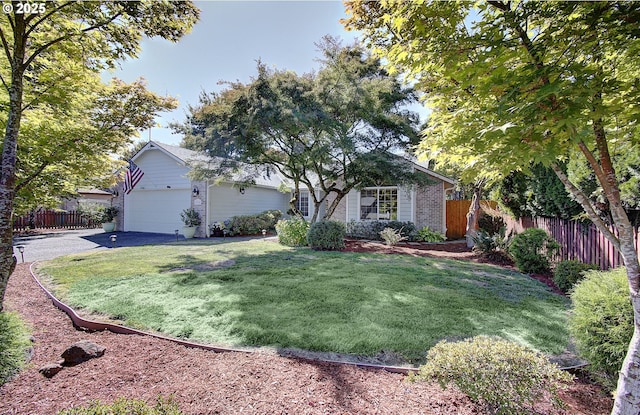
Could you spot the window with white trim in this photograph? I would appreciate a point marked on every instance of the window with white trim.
(379, 203)
(302, 202)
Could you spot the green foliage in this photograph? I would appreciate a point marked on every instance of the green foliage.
(108, 214)
(391, 236)
(90, 211)
(326, 235)
(292, 232)
(427, 234)
(602, 321)
(370, 229)
(506, 377)
(124, 406)
(568, 273)
(495, 246)
(190, 217)
(491, 224)
(538, 193)
(532, 251)
(14, 343)
(254, 224)
(308, 126)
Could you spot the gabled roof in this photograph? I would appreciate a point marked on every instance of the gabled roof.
(424, 167)
(185, 156)
(180, 154)
(265, 177)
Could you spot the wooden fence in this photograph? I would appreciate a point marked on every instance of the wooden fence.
(50, 219)
(577, 241)
(457, 216)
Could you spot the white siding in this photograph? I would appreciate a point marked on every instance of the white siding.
(226, 201)
(164, 191)
(353, 205)
(405, 213)
(161, 172)
(155, 210)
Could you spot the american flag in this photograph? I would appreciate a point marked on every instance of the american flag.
(133, 176)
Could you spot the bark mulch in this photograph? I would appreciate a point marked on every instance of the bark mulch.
(204, 382)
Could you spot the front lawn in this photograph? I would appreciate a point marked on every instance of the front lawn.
(259, 293)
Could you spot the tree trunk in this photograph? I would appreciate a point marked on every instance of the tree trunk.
(474, 212)
(9, 151)
(334, 204)
(627, 398)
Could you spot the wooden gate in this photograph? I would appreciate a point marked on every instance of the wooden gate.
(457, 216)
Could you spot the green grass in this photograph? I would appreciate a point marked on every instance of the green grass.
(14, 342)
(321, 301)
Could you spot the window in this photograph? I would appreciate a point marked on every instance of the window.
(380, 203)
(302, 202)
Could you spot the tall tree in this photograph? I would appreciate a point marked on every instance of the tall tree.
(64, 147)
(330, 130)
(511, 83)
(58, 46)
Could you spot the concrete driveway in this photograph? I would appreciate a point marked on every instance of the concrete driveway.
(49, 245)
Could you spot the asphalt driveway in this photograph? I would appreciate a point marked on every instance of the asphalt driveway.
(49, 245)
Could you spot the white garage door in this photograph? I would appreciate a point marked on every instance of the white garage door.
(155, 210)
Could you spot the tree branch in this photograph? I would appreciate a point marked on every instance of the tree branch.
(584, 201)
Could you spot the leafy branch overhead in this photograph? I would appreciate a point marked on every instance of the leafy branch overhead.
(62, 123)
(513, 85)
(333, 129)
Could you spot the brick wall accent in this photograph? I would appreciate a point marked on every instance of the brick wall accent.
(429, 209)
(119, 203)
(340, 214)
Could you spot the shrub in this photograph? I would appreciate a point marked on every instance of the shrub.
(491, 224)
(568, 273)
(254, 224)
(292, 232)
(532, 250)
(602, 321)
(108, 214)
(190, 217)
(326, 235)
(14, 343)
(391, 236)
(494, 247)
(370, 229)
(91, 211)
(123, 406)
(427, 234)
(504, 376)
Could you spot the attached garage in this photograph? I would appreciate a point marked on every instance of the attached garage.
(156, 210)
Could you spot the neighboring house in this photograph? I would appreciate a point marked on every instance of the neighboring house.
(87, 196)
(165, 190)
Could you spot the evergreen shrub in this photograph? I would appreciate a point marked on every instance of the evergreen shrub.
(602, 322)
(505, 377)
(326, 235)
(532, 251)
(568, 273)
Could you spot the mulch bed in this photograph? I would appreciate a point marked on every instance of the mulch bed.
(205, 382)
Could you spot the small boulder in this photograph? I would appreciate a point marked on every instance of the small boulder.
(50, 370)
(81, 352)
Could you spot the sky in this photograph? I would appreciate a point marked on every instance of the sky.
(224, 46)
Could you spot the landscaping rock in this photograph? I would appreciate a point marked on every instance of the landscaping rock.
(81, 352)
(50, 370)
